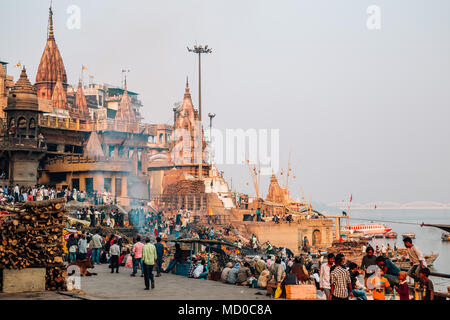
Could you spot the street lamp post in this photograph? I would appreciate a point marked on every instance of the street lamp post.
(199, 50)
(211, 116)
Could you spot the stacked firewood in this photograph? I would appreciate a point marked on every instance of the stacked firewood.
(55, 278)
(185, 187)
(351, 249)
(32, 235)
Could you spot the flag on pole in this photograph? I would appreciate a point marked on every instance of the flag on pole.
(18, 64)
(84, 68)
(351, 197)
(375, 206)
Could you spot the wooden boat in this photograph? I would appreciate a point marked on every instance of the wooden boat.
(445, 236)
(366, 237)
(403, 262)
(379, 236)
(391, 235)
(409, 234)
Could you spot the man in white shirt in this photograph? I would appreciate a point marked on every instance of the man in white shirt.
(416, 259)
(324, 275)
(201, 271)
(114, 251)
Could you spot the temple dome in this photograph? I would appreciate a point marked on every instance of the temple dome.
(23, 95)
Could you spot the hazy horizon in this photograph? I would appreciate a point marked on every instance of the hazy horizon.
(362, 112)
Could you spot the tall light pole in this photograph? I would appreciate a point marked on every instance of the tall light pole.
(211, 116)
(199, 50)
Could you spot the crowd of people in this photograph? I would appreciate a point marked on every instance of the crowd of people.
(339, 280)
(17, 194)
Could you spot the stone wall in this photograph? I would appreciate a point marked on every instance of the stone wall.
(319, 231)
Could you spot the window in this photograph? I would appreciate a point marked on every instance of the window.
(76, 184)
(89, 185)
(111, 151)
(107, 184)
(118, 186)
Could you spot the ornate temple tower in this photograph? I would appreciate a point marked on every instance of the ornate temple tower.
(191, 134)
(80, 107)
(22, 145)
(51, 66)
(125, 112)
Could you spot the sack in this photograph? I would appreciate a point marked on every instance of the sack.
(278, 292)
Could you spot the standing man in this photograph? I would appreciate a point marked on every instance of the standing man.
(82, 247)
(368, 260)
(416, 259)
(340, 281)
(149, 257)
(137, 256)
(160, 254)
(324, 275)
(96, 247)
(114, 251)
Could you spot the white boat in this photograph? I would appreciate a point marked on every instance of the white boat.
(367, 228)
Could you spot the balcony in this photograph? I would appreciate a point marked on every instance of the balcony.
(91, 125)
(82, 163)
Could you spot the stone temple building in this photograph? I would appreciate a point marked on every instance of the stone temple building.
(51, 135)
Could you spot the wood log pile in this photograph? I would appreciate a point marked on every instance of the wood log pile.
(351, 249)
(185, 187)
(55, 278)
(32, 237)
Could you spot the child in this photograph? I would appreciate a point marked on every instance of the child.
(403, 287)
(379, 284)
(426, 285)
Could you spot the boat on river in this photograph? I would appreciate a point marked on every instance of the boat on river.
(367, 228)
(409, 234)
(445, 236)
(391, 235)
(403, 262)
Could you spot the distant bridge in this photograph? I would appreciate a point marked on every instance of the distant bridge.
(388, 205)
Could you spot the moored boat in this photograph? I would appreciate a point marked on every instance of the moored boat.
(409, 234)
(367, 228)
(403, 262)
(445, 236)
(391, 235)
(379, 236)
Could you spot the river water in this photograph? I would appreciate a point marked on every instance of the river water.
(428, 239)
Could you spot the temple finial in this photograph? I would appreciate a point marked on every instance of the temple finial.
(50, 23)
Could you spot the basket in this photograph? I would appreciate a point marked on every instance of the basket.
(301, 292)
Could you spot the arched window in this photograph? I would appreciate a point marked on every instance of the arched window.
(161, 138)
(22, 123)
(12, 123)
(32, 127)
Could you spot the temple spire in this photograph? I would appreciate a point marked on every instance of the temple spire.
(50, 34)
(125, 91)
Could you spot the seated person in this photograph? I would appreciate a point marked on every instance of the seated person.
(225, 271)
(262, 280)
(232, 274)
(192, 268)
(243, 274)
(276, 271)
(390, 270)
(201, 272)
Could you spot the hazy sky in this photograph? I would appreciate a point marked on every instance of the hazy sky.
(362, 111)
